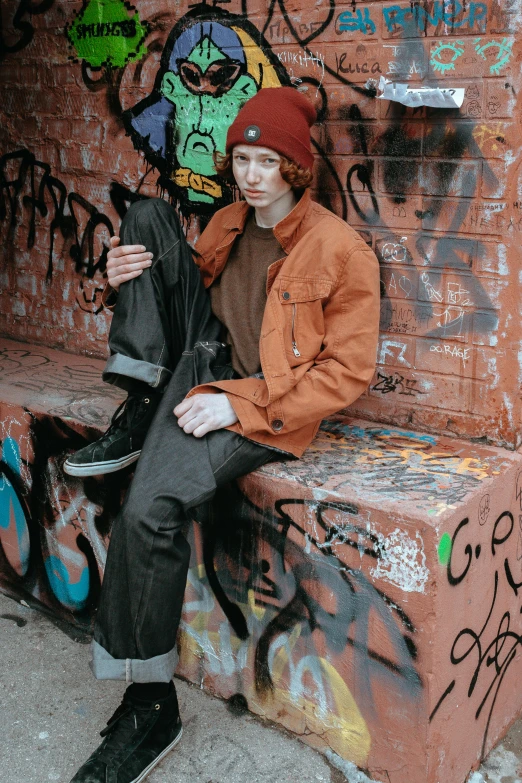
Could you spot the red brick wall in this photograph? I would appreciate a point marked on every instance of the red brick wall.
(436, 192)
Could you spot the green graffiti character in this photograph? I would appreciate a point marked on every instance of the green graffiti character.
(211, 66)
(208, 92)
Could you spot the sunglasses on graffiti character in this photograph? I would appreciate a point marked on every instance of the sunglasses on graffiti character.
(218, 78)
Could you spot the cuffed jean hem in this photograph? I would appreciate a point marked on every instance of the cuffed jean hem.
(157, 669)
(120, 367)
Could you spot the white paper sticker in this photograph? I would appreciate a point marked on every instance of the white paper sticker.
(438, 97)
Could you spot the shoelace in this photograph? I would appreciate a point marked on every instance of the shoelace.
(123, 710)
(125, 412)
(120, 729)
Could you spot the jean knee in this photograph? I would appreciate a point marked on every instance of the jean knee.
(143, 514)
(150, 209)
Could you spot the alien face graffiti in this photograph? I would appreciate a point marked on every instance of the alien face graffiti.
(211, 65)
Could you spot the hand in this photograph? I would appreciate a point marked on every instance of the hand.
(204, 413)
(126, 262)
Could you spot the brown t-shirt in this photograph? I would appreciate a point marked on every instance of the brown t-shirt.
(238, 297)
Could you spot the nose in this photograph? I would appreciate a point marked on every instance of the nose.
(252, 173)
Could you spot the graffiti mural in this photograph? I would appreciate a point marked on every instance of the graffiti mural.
(28, 186)
(270, 572)
(13, 523)
(212, 63)
(491, 646)
(390, 462)
(80, 393)
(52, 530)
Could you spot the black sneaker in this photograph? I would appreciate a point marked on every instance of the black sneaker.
(121, 444)
(137, 737)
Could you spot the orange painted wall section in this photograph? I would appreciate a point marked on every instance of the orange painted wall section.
(437, 192)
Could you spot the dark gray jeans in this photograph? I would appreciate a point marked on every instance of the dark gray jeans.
(163, 333)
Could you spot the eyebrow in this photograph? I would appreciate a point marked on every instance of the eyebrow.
(262, 155)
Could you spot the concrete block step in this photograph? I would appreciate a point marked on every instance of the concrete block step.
(366, 597)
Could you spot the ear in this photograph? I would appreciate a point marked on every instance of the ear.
(168, 84)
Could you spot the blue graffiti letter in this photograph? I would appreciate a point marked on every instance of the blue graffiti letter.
(477, 13)
(450, 12)
(394, 16)
(350, 22)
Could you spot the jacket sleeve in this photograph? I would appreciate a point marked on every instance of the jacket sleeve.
(345, 365)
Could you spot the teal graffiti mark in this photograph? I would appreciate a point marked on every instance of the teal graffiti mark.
(14, 533)
(414, 19)
(72, 595)
(11, 455)
(359, 20)
(504, 51)
(103, 34)
(349, 430)
(456, 48)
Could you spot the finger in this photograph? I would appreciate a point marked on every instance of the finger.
(123, 269)
(125, 250)
(186, 416)
(131, 258)
(190, 421)
(118, 274)
(115, 282)
(203, 429)
(184, 406)
(193, 419)
(115, 241)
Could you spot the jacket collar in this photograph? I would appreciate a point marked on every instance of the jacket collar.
(286, 231)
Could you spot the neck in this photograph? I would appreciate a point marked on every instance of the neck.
(268, 217)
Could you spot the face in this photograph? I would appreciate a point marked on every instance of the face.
(257, 175)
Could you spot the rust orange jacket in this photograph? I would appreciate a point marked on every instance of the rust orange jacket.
(319, 333)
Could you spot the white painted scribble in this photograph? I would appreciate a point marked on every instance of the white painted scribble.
(402, 561)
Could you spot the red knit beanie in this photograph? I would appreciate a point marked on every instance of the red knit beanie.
(279, 118)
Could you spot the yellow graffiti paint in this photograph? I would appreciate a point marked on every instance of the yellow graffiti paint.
(257, 611)
(465, 467)
(343, 728)
(258, 64)
(186, 178)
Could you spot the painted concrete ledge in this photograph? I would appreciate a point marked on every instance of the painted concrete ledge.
(366, 597)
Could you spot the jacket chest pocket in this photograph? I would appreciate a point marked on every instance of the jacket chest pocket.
(302, 301)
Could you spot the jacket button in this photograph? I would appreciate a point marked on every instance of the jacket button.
(277, 425)
(286, 295)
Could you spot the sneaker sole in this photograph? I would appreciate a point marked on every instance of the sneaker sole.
(99, 468)
(157, 760)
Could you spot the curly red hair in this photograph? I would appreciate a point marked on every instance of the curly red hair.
(297, 177)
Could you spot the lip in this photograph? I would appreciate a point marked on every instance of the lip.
(253, 192)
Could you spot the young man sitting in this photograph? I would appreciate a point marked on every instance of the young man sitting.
(229, 362)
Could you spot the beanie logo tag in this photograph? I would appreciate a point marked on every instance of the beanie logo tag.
(252, 133)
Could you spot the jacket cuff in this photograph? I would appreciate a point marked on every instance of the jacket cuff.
(241, 409)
